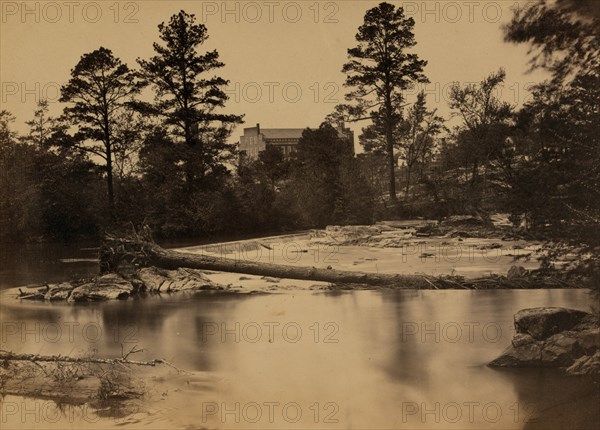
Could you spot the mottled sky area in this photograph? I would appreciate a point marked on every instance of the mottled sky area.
(283, 58)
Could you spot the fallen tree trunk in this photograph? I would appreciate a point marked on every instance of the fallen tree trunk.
(174, 260)
(140, 251)
(144, 253)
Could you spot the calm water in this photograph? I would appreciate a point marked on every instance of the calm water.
(359, 359)
(27, 264)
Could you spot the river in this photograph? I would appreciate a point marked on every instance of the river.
(301, 359)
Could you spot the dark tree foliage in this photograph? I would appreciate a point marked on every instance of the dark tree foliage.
(373, 168)
(555, 174)
(185, 161)
(558, 183)
(41, 125)
(418, 132)
(560, 126)
(256, 191)
(100, 89)
(379, 69)
(273, 164)
(189, 100)
(481, 137)
(45, 194)
(326, 182)
(564, 35)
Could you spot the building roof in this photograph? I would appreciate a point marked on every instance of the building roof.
(282, 133)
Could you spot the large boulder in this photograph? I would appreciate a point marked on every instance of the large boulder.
(554, 337)
(541, 323)
(106, 287)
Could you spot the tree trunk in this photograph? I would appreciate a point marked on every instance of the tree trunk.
(109, 164)
(389, 140)
(150, 254)
(109, 182)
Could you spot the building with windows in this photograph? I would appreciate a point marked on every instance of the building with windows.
(255, 139)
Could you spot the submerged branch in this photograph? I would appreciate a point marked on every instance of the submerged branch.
(10, 356)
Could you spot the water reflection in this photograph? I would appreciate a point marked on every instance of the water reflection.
(28, 264)
(358, 359)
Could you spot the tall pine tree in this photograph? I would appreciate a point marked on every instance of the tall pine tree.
(189, 99)
(379, 69)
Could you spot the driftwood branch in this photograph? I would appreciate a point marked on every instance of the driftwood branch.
(34, 358)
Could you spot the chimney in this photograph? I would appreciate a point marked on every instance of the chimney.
(257, 128)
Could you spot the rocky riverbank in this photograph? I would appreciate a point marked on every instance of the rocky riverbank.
(554, 337)
(152, 280)
(431, 257)
(113, 286)
(398, 234)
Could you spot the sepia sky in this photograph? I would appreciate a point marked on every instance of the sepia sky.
(283, 58)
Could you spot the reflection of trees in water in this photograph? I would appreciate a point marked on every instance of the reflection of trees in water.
(26, 328)
(170, 326)
(493, 303)
(210, 312)
(35, 263)
(32, 312)
(166, 326)
(145, 315)
(408, 361)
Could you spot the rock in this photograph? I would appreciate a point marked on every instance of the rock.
(106, 287)
(427, 230)
(516, 272)
(152, 278)
(138, 286)
(524, 355)
(464, 220)
(160, 280)
(493, 245)
(271, 279)
(59, 291)
(521, 339)
(544, 322)
(561, 350)
(586, 365)
(554, 337)
(589, 322)
(347, 235)
(589, 340)
(501, 220)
